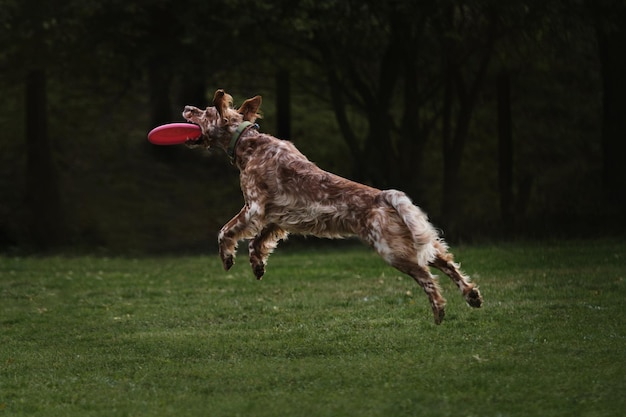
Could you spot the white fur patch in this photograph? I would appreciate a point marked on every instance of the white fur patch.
(424, 234)
(254, 209)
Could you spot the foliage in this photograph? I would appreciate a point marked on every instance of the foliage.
(327, 332)
(398, 94)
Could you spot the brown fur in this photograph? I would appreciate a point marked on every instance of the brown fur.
(286, 193)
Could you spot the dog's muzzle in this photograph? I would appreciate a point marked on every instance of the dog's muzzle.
(201, 141)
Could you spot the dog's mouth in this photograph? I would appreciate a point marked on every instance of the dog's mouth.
(201, 140)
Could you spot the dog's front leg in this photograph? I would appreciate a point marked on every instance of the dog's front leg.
(239, 227)
(262, 246)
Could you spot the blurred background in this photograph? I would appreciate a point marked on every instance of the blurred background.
(502, 120)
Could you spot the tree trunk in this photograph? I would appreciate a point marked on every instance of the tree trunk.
(378, 152)
(613, 61)
(448, 187)
(45, 216)
(505, 147)
(455, 130)
(413, 136)
(283, 104)
(339, 106)
(456, 126)
(466, 94)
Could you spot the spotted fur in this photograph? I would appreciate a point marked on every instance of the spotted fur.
(286, 193)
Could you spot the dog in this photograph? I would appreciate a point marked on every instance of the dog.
(286, 193)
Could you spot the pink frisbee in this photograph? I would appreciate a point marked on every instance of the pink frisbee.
(174, 133)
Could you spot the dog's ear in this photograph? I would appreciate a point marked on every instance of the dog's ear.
(249, 109)
(222, 102)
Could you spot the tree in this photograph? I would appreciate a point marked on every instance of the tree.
(381, 62)
(283, 103)
(468, 49)
(505, 146)
(34, 42)
(611, 35)
(370, 55)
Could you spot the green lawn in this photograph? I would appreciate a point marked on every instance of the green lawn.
(325, 333)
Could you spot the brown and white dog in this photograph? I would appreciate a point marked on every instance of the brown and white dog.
(286, 193)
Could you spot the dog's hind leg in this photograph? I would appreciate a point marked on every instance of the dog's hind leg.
(262, 246)
(429, 284)
(422, 275)
(445, 263)
(391, 239)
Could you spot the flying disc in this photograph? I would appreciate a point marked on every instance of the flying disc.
(174, 133)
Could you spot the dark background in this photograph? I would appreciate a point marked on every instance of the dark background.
(500, 119)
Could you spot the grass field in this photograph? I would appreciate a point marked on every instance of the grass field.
(326, 333)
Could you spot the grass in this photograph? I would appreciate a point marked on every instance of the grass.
(326, 333)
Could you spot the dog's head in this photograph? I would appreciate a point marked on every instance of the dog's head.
(220, 121)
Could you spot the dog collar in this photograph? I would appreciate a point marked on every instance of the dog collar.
(243, 126)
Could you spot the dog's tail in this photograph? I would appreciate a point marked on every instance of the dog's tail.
(425, 237)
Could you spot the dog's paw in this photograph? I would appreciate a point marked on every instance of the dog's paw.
(439, 315)
(259, 270)
(473, 298)
(228, 261)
